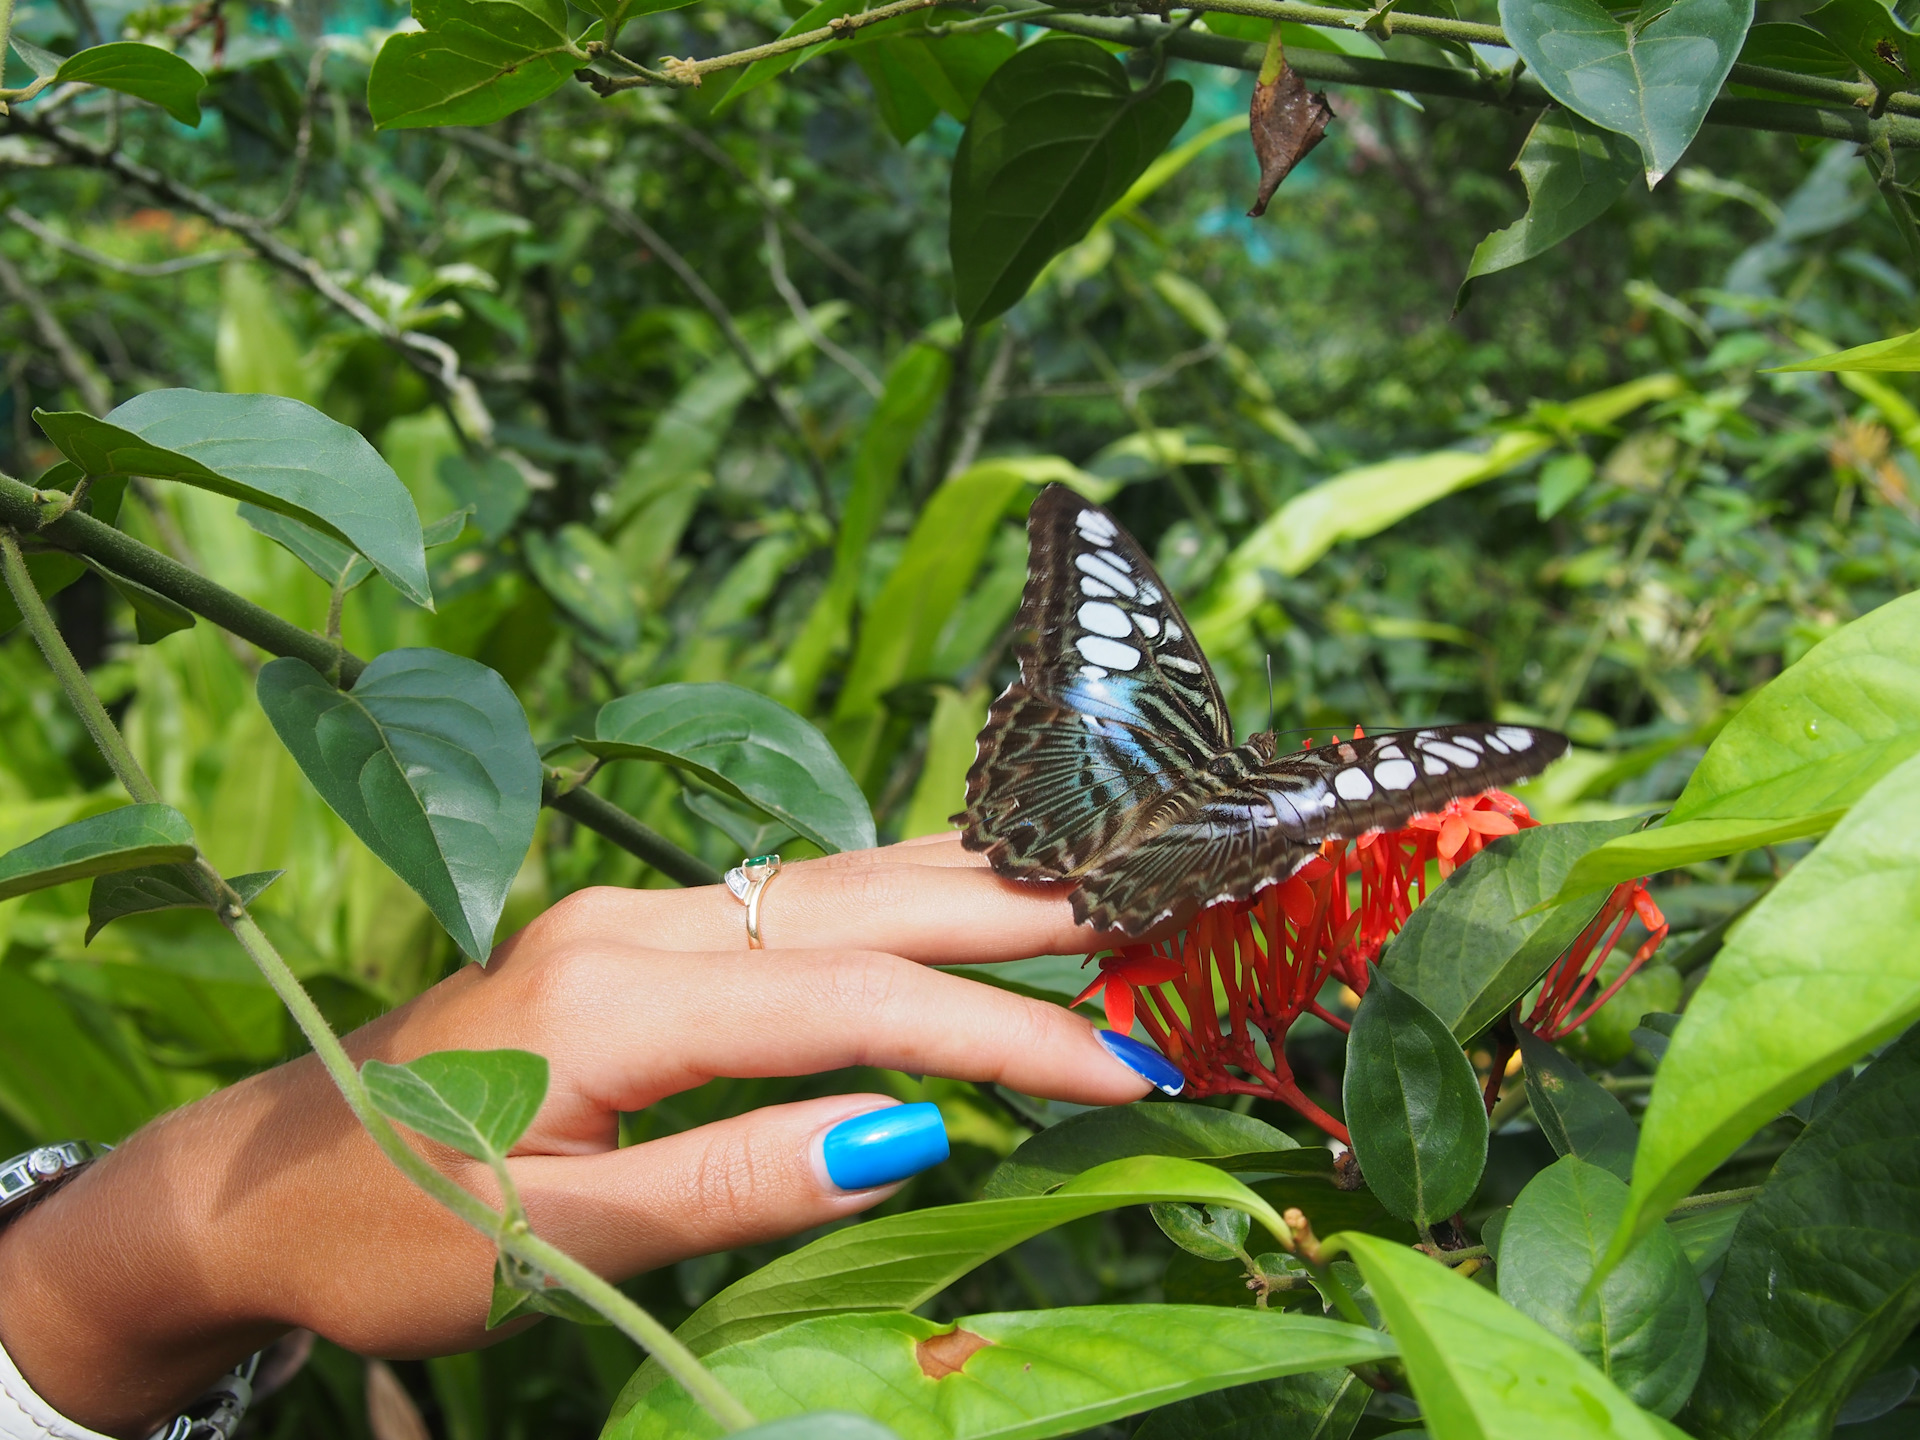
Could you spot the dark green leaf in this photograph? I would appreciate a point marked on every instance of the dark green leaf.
(1213, 1232)
(1577, 1114)
(771, 67)
(1822, 1280)
(1705, 1235)
(1798, 49)
(1573, 171)
(473, 62)
(899, 1262)
(1472, 949)
(57, 1079)
(1056, 136)
(1413, 1105)
(1869, 34)
(1561, 480)
(492, 485)
(1645, 1325)
(122, 839)
(478, 1102)
(750, 832)
(1195, 1132)
(1815, 976)
(339, 565)
(746, 746)
(154, 615)
(429, 760)
(145, 72)
(1481, 1370)
(278, 454)
(519, 1288)
(1648, 79)
(160, 887)
(1322, 1405)
(575, 567)
(1005, 1377)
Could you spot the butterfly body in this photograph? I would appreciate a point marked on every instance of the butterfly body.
(1111, 760)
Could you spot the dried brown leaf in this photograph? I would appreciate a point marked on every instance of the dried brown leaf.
(944, 1355)
(391, 1413)
(1287, 121)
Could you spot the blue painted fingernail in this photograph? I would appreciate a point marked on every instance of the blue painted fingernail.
(884, 1146)
(1146, 1062)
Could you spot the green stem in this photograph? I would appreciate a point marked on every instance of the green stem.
(1713, 1199)
(72, 679)
(605, 818)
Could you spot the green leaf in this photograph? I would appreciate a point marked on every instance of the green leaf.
(492, 486)
(746, 746)
(583, 577)
(899, 1262)
(1648, 79)
(1645, 1325)
(145, 72)
(1474, 946)
(1902, 352)
(1705, 1235)
(818, 1425)
(339, 565)
(44, 63)
(478, 1102)
(57, 1079)
(1006, 1377)
(771, 67)
(1414, 1107)
(1797, 49)
(1481, 1370)
(278, 454)
(519, 1288)
(1794, 758)
(1573, 171)
(1816, 975)
(160, 887)
(1822, 1280)
(429, 760)
(155, 616)
(1216, 1232)
(1869, 34)
(1112, 1132)
(1322, 1405)
(473, 62)
(122, 839)
(1056, 137)
(1577, 1114)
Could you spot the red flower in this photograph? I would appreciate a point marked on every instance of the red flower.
(1220, 997)
(1574, 972)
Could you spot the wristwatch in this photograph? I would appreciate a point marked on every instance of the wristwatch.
(32, 1175)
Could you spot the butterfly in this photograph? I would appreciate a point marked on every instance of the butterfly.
(1111, 762)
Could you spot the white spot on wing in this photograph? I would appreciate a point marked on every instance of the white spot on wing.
(1389, 752)
(1096, 527)
(1181, 663)
(1467, 740)
(1096, 567)
(1090, 586)
(1174, 632)
(1433, 766)
(1514, 735)
(1104, 619)
(1452, 754)
(1093, 672)
(1497, 745)
(1149, 626)
(1395, 774)
(1150, 594)
(1117, 560)
(1099, 650)
(1353, 785)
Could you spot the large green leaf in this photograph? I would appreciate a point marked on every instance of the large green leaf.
(160, 887)
(1112, 1132)
(1481, 1370)
(1576, 1114)
(58, 1079)
(1322, 1405)
(1056, 137)
(1650, 76)
(583, 576)
(1023, 1376)
(899, 1262)
(479, 1102)
(770, 67)
(1644, 1326)
(1413, 1105)
(473, 62)
(1473, 947)
(1871, 35)
(915, 76)
(1902, 352)
(122, 839)
(278, 454)
(1816, 975)
(1573, 171)
(145, 72)
(747, 746)
(341, 566)
(429, 760)
(1822, 1279)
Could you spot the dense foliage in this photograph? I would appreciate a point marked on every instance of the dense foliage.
(695, 406)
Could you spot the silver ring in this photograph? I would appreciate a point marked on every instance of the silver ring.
(748, 881)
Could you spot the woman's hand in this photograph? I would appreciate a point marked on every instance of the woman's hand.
(266, 1207)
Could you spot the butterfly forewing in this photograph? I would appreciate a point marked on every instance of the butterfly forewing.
(1114, 708)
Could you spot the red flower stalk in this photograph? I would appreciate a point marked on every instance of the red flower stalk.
(1573, 974)
(1219, 997)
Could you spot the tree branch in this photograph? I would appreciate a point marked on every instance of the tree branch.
(80, 370)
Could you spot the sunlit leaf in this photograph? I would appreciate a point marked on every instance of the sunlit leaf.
(145, 72)
(123, 839)
(472, 62)
(478, 1102)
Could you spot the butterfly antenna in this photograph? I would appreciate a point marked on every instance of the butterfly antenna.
(1270, 715)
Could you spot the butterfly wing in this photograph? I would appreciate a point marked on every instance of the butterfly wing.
(1257, 829)
(1115, 709)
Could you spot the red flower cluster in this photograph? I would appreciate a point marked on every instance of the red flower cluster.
(1219, 998)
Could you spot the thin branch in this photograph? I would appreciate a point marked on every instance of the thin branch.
(691, 72)
(159, 270)
(303, 143)
(844, 358)
(992, 391)
(640, 230)
(79, 369)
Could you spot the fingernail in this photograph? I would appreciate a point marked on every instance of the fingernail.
(1146, 1062)
(884, 1146)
